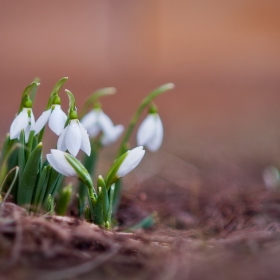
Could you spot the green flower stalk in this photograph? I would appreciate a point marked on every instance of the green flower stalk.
(123, 147)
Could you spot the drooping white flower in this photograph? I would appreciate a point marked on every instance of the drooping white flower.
(97, 121)
(131, 160)
(150, 132)
(56, 118)
(124, 164)
(23, 121)
(116, 132)
(58, 161)
(73, 138)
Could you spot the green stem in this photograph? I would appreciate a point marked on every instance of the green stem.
(26, 92)
(146, 101)
(95, 96)
(90, 164)
(123, 147)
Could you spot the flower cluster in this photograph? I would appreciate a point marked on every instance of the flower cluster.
(94, 131)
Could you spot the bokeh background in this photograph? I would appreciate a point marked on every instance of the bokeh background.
(223, 56)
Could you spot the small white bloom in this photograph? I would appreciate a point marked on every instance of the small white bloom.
(56, 118)
(23, 121)
(58, 161)
(116, 132)
(73, 138)
(97, 121)
(150, 132)
(271, 177)
(132, 159)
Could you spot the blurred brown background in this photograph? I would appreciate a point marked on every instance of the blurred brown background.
(223, 56)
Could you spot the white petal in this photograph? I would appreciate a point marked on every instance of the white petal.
(155, 142)
(73, 137)
(61, 140)
(18, 124)
(27, 132)
(58, 161)
(146, 130)
(118, 130)
(106, 125)
(89, 121)
(85, 140)
(32, 119)
(150, 132)
(57, 120)
(41, 122)
(132, 159)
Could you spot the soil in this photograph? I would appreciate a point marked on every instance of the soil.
(211, 227)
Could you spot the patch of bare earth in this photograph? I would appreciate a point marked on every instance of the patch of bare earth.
(203, 231)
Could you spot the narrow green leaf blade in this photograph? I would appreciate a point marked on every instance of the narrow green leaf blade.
(28, 180)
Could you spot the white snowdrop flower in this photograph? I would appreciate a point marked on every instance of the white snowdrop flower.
(56, 118)
(116, 132)
(124, 164)
(23, 121)
(59, 162)
(271, 177)
(132, 159)
(150, 132)
(97, 121)
(73, 138)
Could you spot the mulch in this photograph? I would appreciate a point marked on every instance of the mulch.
(203, 230)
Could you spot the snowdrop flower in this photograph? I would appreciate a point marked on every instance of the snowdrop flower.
(150, 132)
(271, 177)
(97, 121)
(73, 138)
(59, 162)
(23, 121)
(132, 159)
(115, 133)
(56, 118)
(124, 164)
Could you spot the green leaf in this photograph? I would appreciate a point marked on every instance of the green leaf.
(53, 182)
(98, 215)
(111, 175)
(41, 186)
(50, 205)
(16, 169)
(43, 193)
(148, 222)
(80, 169)
(90, 165)
(64, 200)
(105, 198)
(30, 143)
(28, 180)
(21, 154)
(110, 212)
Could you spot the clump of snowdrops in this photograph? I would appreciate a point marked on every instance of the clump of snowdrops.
(35, 182)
